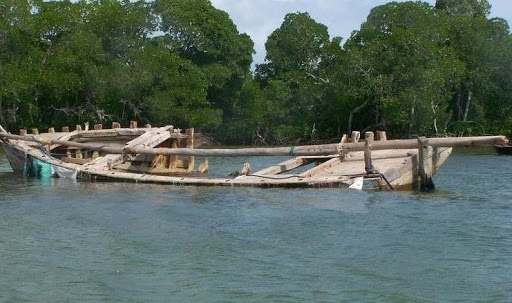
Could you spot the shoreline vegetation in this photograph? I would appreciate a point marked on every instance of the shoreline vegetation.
(411, 68)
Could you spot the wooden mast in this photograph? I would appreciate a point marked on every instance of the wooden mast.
(311, 150)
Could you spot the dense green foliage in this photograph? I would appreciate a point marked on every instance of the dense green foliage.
(411, 68)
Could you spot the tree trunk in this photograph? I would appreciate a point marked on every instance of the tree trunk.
(467, 105)
(352, 113)
(411, 117)
(448, 120)
(434, 112)
(2, 118)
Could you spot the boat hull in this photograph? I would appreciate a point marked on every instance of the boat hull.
(394, 169)
(398, 173)
(17, 157)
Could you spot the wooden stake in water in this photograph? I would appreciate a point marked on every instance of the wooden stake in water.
(425, 165)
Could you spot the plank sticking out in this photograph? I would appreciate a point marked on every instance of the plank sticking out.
(151, 138)
(282, 167)
(148, 139)
(323, 169)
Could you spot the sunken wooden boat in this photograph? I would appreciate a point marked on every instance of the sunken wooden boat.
(167, 155)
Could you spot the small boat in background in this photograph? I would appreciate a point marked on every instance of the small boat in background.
(503, 149)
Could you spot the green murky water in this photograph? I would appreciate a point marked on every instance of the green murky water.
(76, 242)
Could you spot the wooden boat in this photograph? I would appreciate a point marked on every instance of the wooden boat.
(503, 149)
(166, 155)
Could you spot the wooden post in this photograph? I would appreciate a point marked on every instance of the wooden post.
(147, 126)
(65, 129)
(86, 126)
(35, 131)
(23, 132)
(173, 159)
(425, 165)
(203, 167)
(355, 136)
(98, 126)
(368, 165)
(369, 136)
(78, 154)
(51, 130)
(116, 125)
(190, 144)
(133, 124)
(382, 136)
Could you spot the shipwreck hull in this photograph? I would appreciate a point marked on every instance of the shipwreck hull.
(399, 171)
(166, 155)
(16, 156)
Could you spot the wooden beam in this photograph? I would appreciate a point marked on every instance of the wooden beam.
(355, 136)
(425, 165)
(369, 136)
(368, 165)
(190, 145)
(282, 167)
(116, 125)
(23, 132)
(133, 124)
(35, 131)
(203, 167)
(311, 150)
(382, 136)
(51, 130)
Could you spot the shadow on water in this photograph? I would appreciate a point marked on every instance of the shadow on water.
(117, 242)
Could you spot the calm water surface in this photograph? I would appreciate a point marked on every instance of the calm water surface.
(75, 242)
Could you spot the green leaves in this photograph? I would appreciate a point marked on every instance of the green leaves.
(411, 68)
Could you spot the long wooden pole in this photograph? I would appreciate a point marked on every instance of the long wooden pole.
(309, 150)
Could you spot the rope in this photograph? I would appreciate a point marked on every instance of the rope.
(387, 181)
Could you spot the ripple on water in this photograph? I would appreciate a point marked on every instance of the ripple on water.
(66, 241)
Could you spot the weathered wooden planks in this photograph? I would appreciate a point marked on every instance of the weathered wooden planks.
(311, 150)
